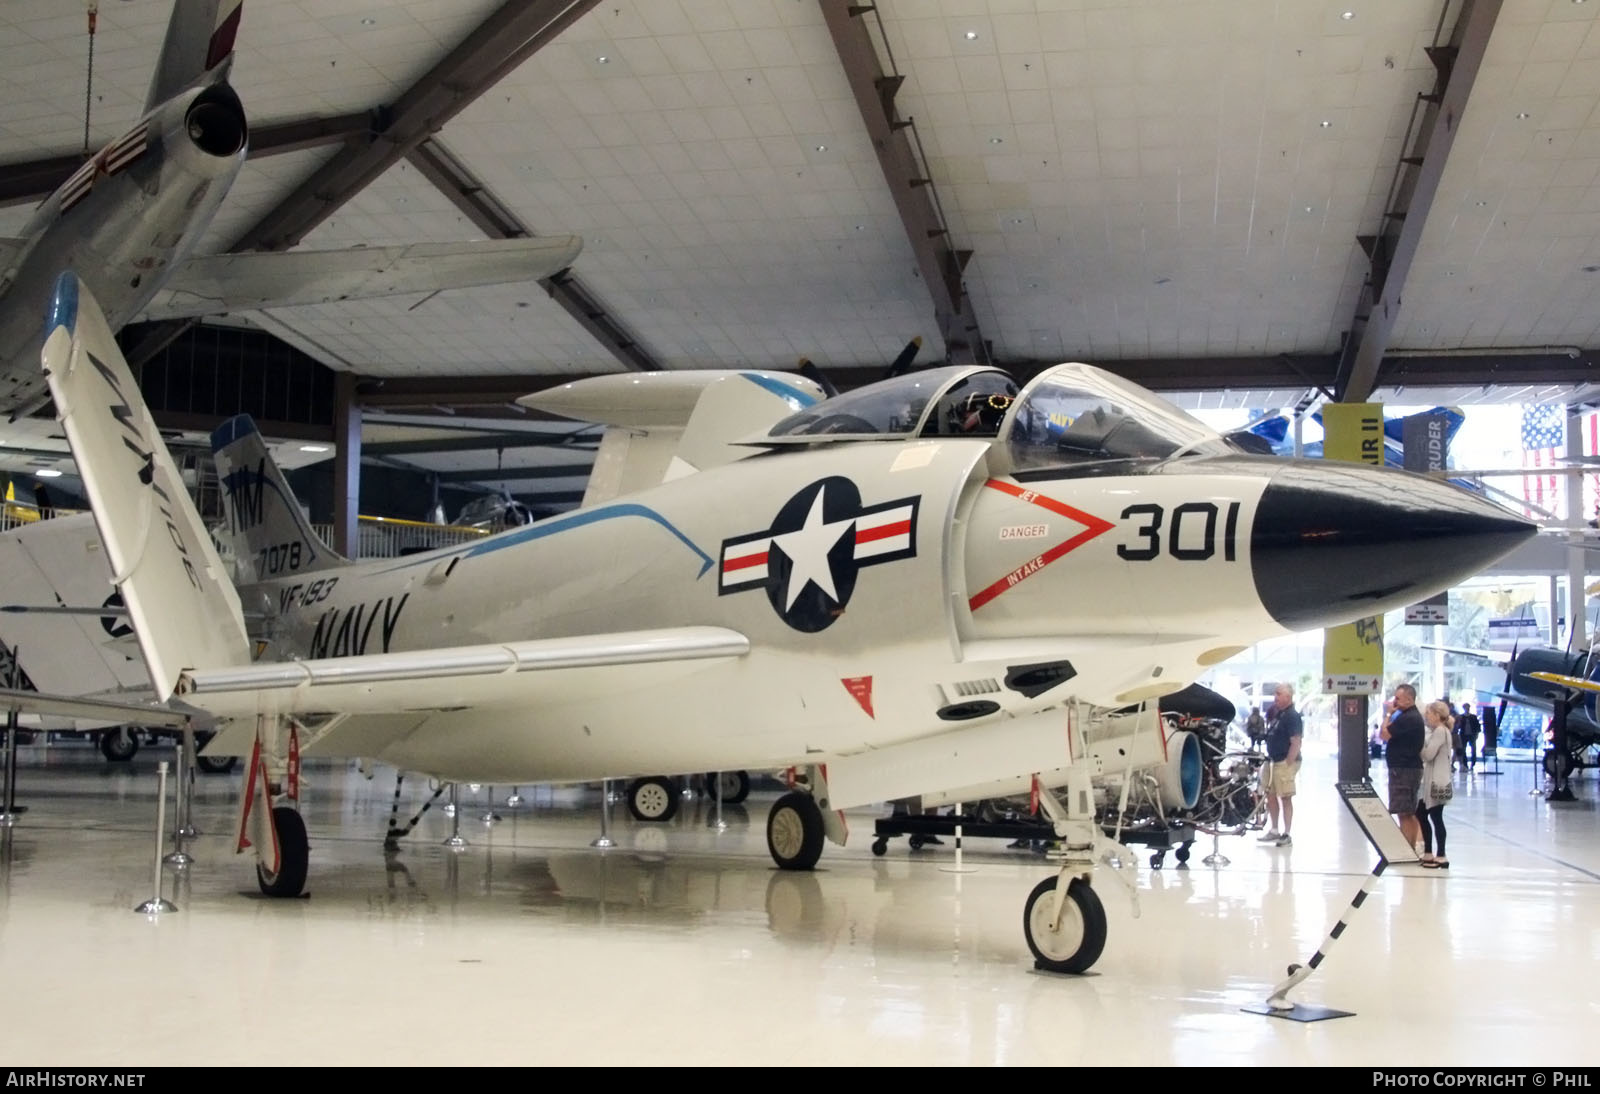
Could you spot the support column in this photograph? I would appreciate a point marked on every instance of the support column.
(346, 465)
(1577, 557)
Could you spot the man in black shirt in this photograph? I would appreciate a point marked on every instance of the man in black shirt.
(1405, 734)
(1283, 764)
(1469, 727)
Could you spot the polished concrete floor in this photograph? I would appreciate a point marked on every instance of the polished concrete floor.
(684, 946)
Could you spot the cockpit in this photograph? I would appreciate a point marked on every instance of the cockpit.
(1077, 413)
(956, 401)
(1067, 414)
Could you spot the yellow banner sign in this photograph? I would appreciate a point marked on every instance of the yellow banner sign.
(1352, 654)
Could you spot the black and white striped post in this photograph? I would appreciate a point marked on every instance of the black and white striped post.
(1278, 1001)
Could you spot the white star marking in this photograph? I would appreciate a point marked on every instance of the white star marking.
(808, 549)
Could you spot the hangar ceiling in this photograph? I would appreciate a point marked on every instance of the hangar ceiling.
(1174, 190)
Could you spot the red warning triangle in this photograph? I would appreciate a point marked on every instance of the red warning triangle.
(860, 687)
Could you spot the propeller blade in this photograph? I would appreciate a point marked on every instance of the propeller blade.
(811, 372)
(902, 363)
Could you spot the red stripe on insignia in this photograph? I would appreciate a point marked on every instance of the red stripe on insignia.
(222, 38)
(886, 531)
(744, 563)
(1092, 526)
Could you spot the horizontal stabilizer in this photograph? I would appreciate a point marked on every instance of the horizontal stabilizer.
(60, 615)
(212, 284)
(1498, 657)
(430, 679)
(92, 710)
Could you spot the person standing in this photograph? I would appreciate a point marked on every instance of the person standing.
(1404, 735)
(1468, 727)
(1437, 787)
(1284, 732)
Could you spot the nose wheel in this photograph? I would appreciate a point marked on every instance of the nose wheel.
(1072, 940)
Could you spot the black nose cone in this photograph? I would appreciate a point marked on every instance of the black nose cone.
(1337, 542)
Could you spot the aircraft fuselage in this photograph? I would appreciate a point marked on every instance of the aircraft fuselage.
(889, 591)
(126, 217)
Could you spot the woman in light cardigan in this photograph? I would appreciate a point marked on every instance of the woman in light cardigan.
(1437, 749)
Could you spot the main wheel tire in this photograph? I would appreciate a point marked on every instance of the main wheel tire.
(794, 831)
(653, 799)
(294, 855)
(735, 786)
(119, 745)
(1557, 765)
(1076, 944)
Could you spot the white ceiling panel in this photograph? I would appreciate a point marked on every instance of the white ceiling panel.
(714, 161)
(1511, 253)
(1150, 179)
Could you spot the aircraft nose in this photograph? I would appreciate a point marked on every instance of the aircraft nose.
(1332, 543)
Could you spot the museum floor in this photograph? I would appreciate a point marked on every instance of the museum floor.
(684, 946)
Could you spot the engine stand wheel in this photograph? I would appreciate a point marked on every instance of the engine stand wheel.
(1076, 944)
(794, 831)
(294, 855)
(880, 846)
(1181, 854)
(653, 799)
(735, 786)
(119, 745)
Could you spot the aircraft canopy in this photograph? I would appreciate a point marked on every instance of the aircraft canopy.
(1079, 413)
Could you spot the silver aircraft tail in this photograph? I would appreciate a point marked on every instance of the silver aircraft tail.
(269, 535)
(200, 37)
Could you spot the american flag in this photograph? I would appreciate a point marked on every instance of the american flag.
(1543, 441)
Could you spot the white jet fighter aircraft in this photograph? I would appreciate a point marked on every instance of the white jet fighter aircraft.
(918, 586)
(129, 219)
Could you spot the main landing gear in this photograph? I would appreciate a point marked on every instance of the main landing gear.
(271, 824)
(801, 820)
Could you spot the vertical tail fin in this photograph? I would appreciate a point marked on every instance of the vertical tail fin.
(200, 37)
(182, 603)
(269, 534)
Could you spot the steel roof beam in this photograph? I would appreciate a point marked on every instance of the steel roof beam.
(21, 183)
(1411, 199)
(483, 442)
(518, 30)
(940, 264)
(495, 220)
(514, 474)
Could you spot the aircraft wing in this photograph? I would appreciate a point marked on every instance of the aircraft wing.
(545, 670)
(211, 284)
(1576, 683)
(1497, 657)
(104, 711)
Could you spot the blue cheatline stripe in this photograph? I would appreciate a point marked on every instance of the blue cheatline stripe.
(562, 524)
(781, 390)
(63, 308)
